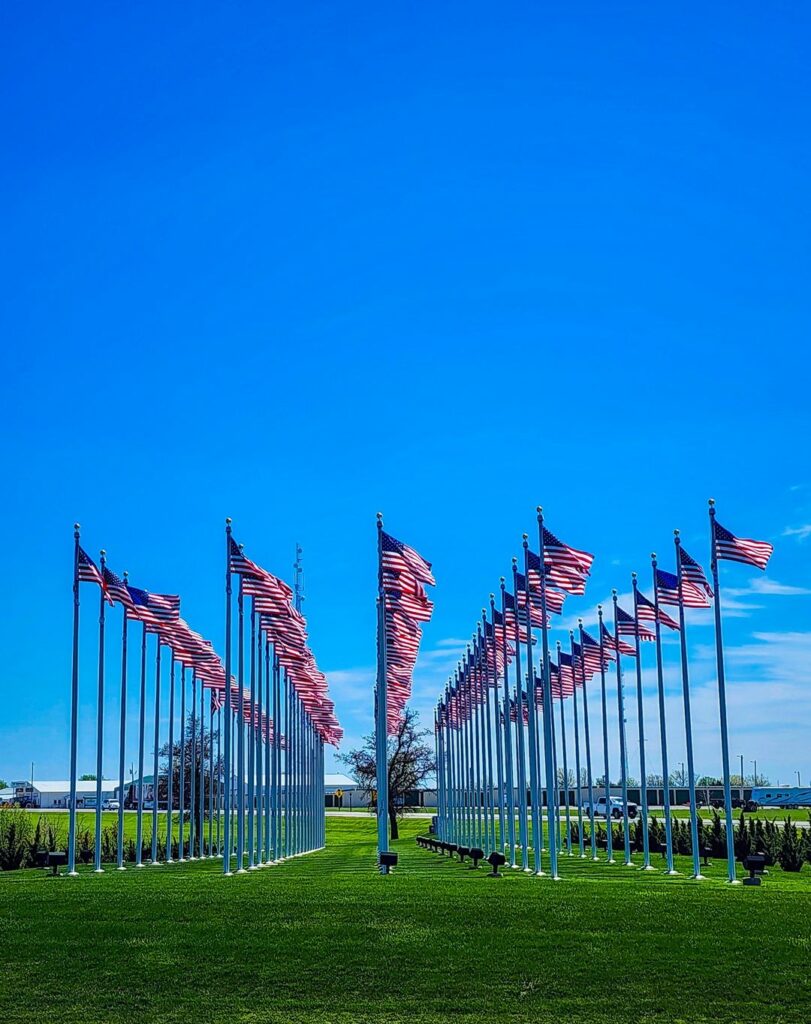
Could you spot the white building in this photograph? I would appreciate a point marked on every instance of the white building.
(56, 794)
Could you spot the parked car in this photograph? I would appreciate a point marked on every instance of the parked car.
(614, 807)
(111, 805)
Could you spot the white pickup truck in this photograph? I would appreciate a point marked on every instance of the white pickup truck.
(613, 806)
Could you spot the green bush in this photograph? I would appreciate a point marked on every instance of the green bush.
(791, 853)
(16, 836)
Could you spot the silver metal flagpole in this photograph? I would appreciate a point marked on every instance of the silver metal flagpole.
(241, 726)
(382, 697)
(663, 726)
(722, 704)
(508, 752)
(156, 752)
(579, 788)
(609, 821)
(588, 741)
(534, 767)
(171, 761)
(566, 794)
(139, 826)
(226, 718)
(623, 748)
(552, 826)
(688, 719)
(100, 720)
(74, 708)
(251, 740)
(643, 782)
(122, 736)
(181, 846)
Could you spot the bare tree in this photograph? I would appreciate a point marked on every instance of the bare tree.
(411, 762)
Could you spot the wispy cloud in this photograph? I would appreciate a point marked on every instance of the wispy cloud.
(800, 532)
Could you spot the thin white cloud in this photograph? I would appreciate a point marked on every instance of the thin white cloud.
(800, 532)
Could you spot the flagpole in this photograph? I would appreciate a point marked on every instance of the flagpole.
(523, 825)
(226, 847)
(566, 792)
(155, 764)
(122, 736)
(722, 704)
(241, 726)
(74, 708)
(181, 846)
(170, 767)
(508, 752)
(193, 770)
(498, 731)
(139, 827)
(587, 730)
(251, 749)
(534, 767)
(269, 739)
(98, 869)
(382, 704)
(643, 783)
(547, 703)
(609, 849)
(202, 796)
(663, 725)
(623, 750)
(211, 777)
(579, 789)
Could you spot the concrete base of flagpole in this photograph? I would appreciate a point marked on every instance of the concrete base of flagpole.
(698, 878)
(734, 881)
(241, 871)
(73, 874)
(673, 872)
(629, 864)
(648, 867)
(98, 871)
(121, 868)
(228, 874)
(540, 874)
(596, 858)
(181, 860)
(169, 861)
(254, 867)
(140, 865)
(612, 861)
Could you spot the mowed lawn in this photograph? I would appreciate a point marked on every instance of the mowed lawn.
(325, 938)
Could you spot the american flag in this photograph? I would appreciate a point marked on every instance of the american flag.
(692, 572)
(398, 556)
(591, 645)
(613, 644)
(646, 610)
(87, 571)
(739, 549)
(115, 588)
(667, 590)
(217, 700)
(558, 553)
(627, 626)
(146, 606)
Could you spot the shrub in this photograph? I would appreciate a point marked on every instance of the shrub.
(15, 839)
(791, 853)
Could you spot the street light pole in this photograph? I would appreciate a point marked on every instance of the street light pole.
(741, 757)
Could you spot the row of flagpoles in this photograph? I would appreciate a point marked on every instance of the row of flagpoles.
(264, 794)
(481, 765)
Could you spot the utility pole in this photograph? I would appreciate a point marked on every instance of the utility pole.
(298, 585)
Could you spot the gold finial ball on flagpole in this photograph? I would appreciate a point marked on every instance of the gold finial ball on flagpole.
(580, 622)
(653, 554)
(711, 501)
(599, 607)
(633, 575)
(102, 552)
(493, 596)
(227, 520)
(502, 579)
(613, 593)
(515, 560)
(525, 536)
(676, 533)
(126, 574)
(539, 509)
(77, 526)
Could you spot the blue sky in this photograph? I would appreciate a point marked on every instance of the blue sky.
(298, 265)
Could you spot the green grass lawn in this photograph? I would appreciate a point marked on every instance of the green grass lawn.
(325, 938)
